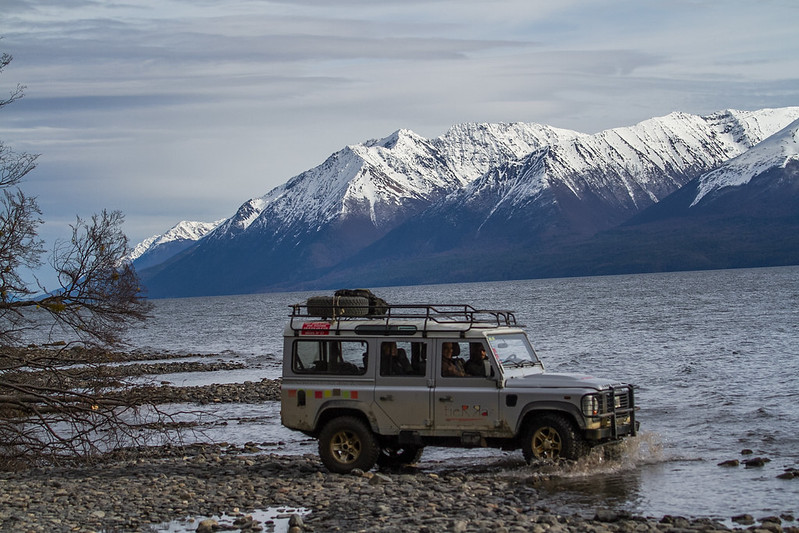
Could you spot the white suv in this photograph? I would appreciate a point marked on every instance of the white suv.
(376, 383)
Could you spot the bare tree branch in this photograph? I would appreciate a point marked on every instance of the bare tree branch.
(57, 403)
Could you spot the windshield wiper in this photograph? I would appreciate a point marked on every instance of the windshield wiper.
(518, 363)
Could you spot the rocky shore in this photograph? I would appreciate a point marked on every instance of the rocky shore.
(141, 489)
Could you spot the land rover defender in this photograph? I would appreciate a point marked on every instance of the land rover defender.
(376, 383)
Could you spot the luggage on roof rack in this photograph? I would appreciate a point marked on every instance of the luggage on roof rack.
(377, 305)
(337, 306)
(363, 304)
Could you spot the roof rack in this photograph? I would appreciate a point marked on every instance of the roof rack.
(431, 314)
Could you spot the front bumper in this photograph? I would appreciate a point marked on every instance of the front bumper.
(607, 433)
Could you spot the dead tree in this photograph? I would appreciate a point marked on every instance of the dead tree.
(46, 412)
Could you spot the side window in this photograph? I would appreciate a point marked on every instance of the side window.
(403, 358)
(452, 362)
(477, 364)
(329, 357)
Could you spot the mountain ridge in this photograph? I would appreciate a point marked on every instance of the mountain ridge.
(494, 185)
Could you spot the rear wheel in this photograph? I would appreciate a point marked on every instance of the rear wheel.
(391, 456)
(552, 437)
(347, 443)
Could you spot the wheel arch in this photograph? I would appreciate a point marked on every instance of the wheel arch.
(334, 410)
(536, 409)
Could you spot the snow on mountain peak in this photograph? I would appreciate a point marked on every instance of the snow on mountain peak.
(633, 166)
(751, 127)
(390, 179)
(475, 148)
(183, 231)
(775, 151)
(375, 178)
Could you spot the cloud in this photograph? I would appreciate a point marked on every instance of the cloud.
(174, 110)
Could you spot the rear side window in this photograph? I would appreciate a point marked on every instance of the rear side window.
(403, 358)
(331, 357)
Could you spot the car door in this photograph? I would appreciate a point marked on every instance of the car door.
(463, 403)
(402, 386)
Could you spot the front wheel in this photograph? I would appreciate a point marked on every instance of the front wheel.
(347, 443)
(552, 437)
(393, 457)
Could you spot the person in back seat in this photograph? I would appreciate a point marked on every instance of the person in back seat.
(393, 361)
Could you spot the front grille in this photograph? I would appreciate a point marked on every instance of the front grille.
(618, 401)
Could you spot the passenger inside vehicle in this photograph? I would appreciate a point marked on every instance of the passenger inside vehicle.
(478, 364)
(393, 360)
(451, 364)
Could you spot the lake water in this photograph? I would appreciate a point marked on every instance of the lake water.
(715, 356)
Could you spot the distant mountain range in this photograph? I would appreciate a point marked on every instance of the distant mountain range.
(506, 201)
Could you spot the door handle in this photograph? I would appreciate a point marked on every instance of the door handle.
(387, 398)
(445, 399)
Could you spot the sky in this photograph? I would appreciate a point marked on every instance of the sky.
(173, 110)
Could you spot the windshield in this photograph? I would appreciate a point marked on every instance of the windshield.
(513, 351)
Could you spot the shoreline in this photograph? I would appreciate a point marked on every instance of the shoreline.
(136, 489)
(148, 487)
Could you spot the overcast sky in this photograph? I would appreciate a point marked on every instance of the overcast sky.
(175, 110)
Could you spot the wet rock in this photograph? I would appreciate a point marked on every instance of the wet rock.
(609, 515)
(296, 521)
(756, 462)
(771, 519)
(730, 462)
(676, 522)
(746, 451)
(207, 526)
(246, 522)
(744, 519)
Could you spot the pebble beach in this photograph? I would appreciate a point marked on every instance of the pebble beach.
(159, 486)
(142, 489)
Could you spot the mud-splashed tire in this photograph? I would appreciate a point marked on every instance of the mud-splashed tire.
(394, 457)
(552, 438)
(347, 443)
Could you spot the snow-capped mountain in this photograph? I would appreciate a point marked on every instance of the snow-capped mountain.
(776, 152)
(383, 180)
(500, 185)
(582, 184)
(474, 149)
(743, 213)
(760, 184)
(158, 248)
(634, 167)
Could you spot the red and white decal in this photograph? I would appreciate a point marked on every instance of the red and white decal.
(315, 328)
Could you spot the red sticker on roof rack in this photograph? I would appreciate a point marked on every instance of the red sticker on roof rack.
(315, 328)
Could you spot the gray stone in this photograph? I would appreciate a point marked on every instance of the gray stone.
(207, 526)
(380, 479)
(296, 521)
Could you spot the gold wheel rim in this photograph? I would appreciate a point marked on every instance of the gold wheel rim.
(547, 443)
(345, 446)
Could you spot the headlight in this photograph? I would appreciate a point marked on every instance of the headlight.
(591, 405)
